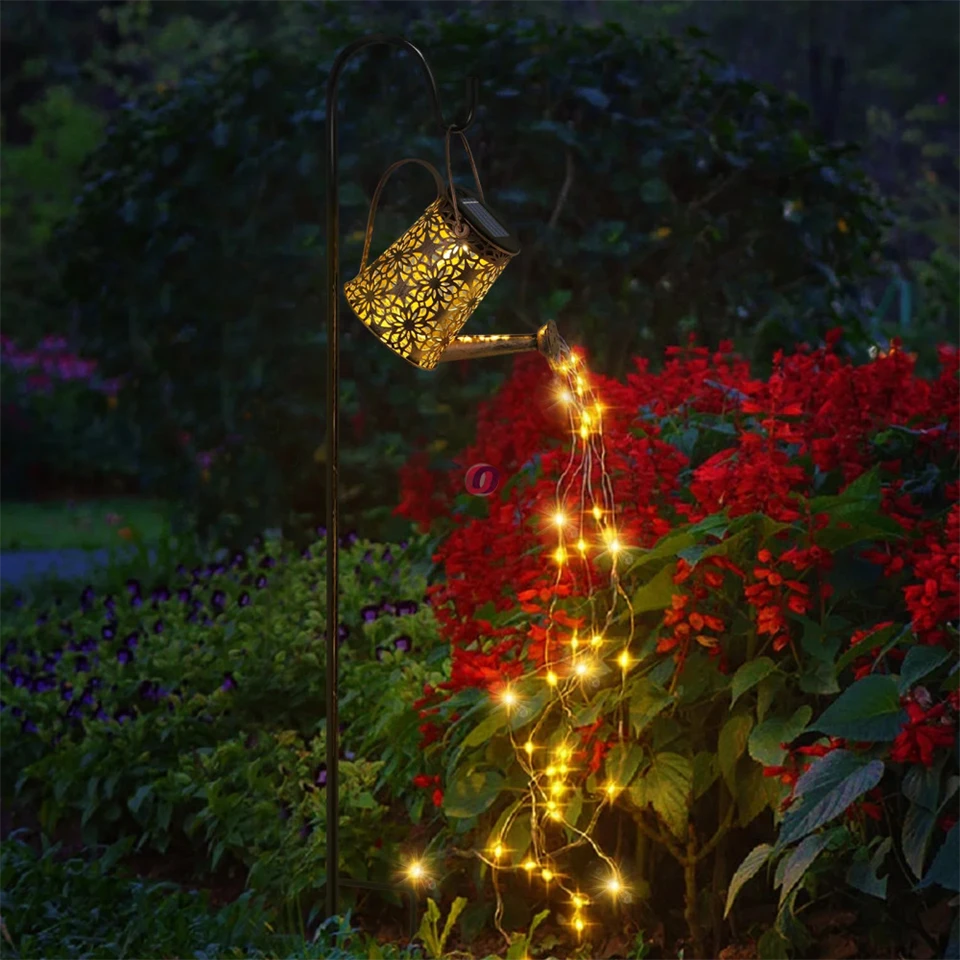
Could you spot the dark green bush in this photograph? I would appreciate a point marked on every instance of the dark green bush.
(656, 191)
(192, 718)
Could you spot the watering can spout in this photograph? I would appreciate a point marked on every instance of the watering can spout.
(546, 340)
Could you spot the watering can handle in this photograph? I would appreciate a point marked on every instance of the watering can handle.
(376, 200)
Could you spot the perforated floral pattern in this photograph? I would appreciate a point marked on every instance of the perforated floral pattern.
(420, 292)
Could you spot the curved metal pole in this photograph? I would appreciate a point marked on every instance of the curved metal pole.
(333, 417)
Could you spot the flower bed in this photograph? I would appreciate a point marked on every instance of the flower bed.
(791, 559)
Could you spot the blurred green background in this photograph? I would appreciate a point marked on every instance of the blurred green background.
(760, 172)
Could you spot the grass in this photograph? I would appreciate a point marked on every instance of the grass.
(85, 525)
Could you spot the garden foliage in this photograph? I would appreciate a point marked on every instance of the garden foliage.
(188, 717)
(794, 575)
(59, 419)
(653, 187)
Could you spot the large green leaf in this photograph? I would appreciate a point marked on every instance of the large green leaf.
(705, 772)
(749, 675)
(749, 868)
(731, 745)
(919, 661)
(945, 869)
(867, 710)
(825, 791)
(647, 702)
(470, 793)
(657, 593)
(666, 785)
(765, 741)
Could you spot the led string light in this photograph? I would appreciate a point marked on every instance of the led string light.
(580, 659)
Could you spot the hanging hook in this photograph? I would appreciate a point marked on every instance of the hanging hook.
(473, 83)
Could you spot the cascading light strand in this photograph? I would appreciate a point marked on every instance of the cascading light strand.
(584, 519)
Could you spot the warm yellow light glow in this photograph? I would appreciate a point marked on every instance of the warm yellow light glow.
(529, 866)
(597, 513)
(498, 851)
(614, 886)
(578, 901)
(560, 555)
(596, 640)
(578, 924)
(581, 546)
(508, 698)
(611, 790)
(574, 641)
(585, 416)
(529, 747)
(416, 871)
(581, 669)
(563, 753)
(614, 547)
(551, 771)
(566, 396)
(584, 432)
(547, 875)
(557, 788)
(559, 519)
(624, 660)
(552, 679)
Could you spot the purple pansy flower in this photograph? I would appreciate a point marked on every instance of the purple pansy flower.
(406, 608)
(321, 778)
(267, 563)
(229, 683)
(158, 627)
(244, 599)
(404, 644)
(82, 665)
(261, 582)
(218, 600)
(125, 656)
(87, 597)
(369, 613)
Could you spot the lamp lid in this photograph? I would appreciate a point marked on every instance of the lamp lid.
(487, 222)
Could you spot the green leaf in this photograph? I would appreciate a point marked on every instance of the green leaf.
(749, 675)
(705, 772)
(657, 594)
(593, 96)
(136, 801)
(747, 870)
(867, 710)
(800, 860)
(773, 946)
(622, 763)
(731, 745)
(826, 790)
(471, 793)
(819, 677)
(952, 951)
(921, 787)
(945, 869)
(919, 661)
(571, 814)
(456, 908)
(870, 642)
(655, 191)
(647, 702)
(764, 741)
(667, 786)
(862, 874)
(755, 793)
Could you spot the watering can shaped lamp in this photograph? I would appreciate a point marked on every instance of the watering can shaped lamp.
(417, 296)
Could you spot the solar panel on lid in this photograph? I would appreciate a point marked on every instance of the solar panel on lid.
(482, 215)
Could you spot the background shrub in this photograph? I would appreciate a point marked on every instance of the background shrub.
(654, 188)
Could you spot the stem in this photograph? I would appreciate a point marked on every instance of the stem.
(690, 882)
(720, 878)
